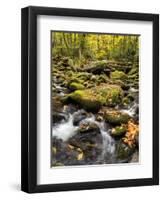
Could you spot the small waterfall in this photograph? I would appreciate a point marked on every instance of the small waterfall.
(65, 130)
(131, 110)
(108, 146)
(108, 142)
(133, 90)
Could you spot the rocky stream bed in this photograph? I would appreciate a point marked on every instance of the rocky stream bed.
(95, 113)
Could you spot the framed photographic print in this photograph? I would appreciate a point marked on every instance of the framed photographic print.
(90, 99)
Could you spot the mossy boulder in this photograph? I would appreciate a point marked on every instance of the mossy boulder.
(94, 98)
(118, 131)
(82, 97)
(118, 75)
(116, 117)
(76, 86)
(123, 151)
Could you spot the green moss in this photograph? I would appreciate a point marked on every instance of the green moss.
(116, 117)
(133, 76)
(93, 98)
(118, 75)
(83, 98)
(124, 151)
(76, 86)
(102, 64)
(103, 78)
(76, 77)
(134, 70)
(119, 130)
(126, 101)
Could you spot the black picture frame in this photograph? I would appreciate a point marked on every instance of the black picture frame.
(29, 99)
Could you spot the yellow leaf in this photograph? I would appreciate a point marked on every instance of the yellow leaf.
(70, 146)
(54, 150)
(80, 156)
(132, 132)
(78, 149)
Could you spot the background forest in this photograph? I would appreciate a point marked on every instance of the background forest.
(95, 104)
(82, 48)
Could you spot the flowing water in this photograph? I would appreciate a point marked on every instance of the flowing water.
(65, 129)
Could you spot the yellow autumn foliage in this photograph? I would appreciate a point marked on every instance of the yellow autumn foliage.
(131, 134)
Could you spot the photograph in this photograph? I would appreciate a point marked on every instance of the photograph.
(94, 98)
(90, 99)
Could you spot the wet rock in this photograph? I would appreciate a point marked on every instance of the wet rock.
(99, 118)
(79, 116)
(66, 154)
(70, 108)
(89, 140)
(89, 127)
(58, 117)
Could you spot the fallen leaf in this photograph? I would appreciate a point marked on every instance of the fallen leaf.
(54, 150)
(80, 156)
